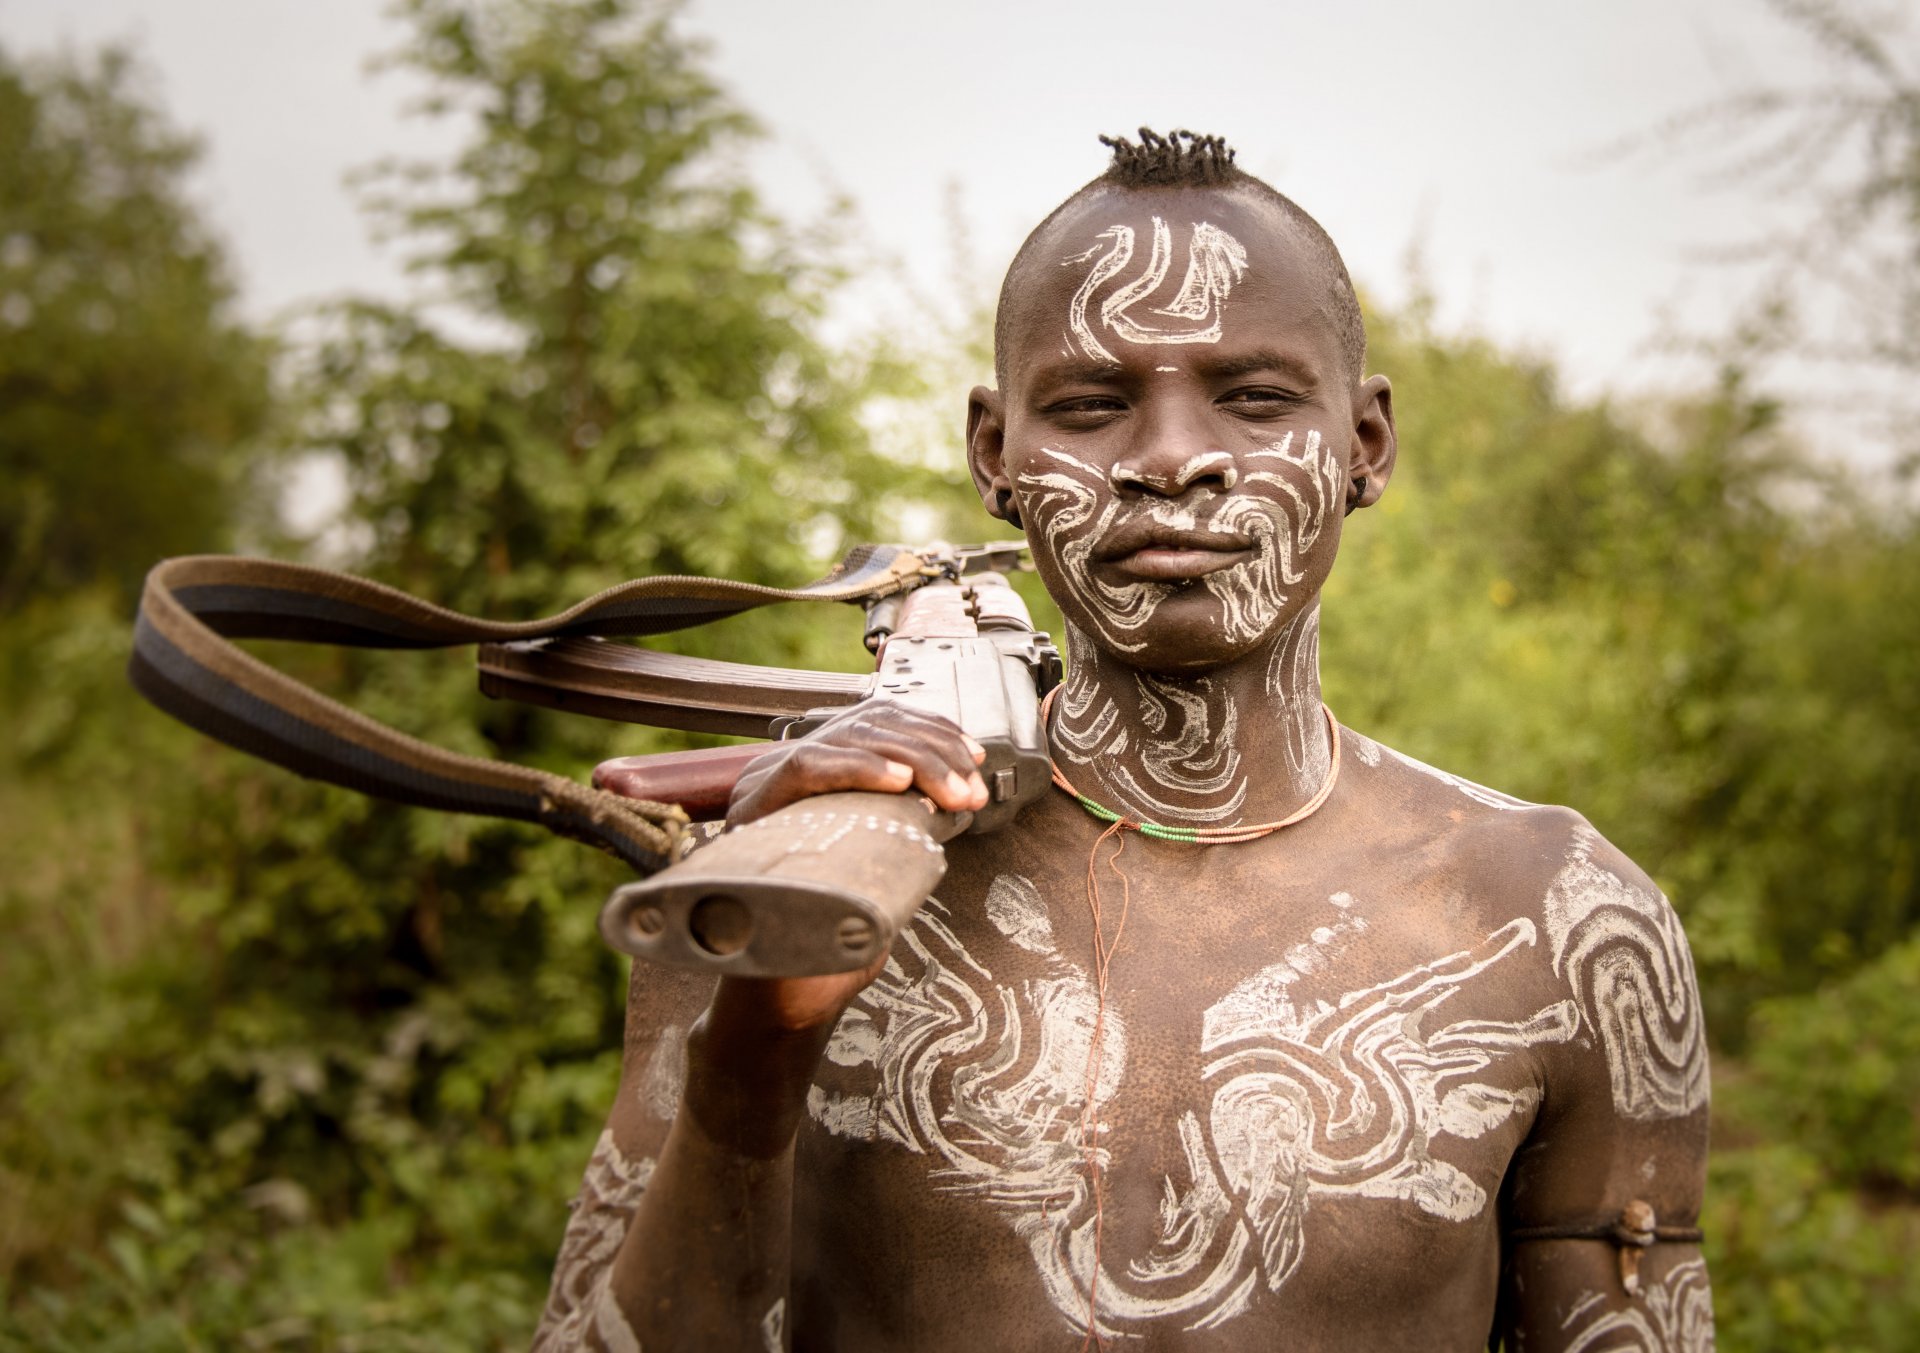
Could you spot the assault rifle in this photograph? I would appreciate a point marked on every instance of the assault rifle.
(822, 886)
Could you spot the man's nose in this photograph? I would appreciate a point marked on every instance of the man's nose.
(1172, 451)
(1169, 470)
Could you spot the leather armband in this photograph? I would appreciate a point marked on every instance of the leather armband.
(1634, 1230)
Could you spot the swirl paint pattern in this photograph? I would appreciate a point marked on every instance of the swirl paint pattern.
(1282, 511)
(1621, 949)
(580, 1302)
(1304, 1102)
(1215, 261)
(1674, 1315)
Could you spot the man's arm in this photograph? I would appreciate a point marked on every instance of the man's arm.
(1621, 1141)
(1568, 1296)
(662, 1004)
(689, 1246)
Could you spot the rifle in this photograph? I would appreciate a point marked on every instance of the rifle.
(822, 886)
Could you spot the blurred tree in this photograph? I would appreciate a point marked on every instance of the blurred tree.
(1834, 163)
(647, 396)
(281, 1066)
(403, 1028)
(126, 385)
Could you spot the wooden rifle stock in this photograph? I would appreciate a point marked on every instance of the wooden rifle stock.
(826, 884)
(701, 782)
(821, 886)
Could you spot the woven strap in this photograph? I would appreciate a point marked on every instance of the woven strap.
(184, 663)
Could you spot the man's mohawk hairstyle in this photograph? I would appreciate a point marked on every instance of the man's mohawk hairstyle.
(1182, 159)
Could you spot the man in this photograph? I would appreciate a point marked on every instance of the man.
(1343, 1052)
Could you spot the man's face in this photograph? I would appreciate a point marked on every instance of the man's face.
(1176, 424)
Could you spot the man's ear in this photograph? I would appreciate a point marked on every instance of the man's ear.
(1375, 443)
(986, 446)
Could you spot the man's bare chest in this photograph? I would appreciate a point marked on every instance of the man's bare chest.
(1191, 1123)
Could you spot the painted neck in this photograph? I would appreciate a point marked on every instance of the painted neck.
(1246, 743)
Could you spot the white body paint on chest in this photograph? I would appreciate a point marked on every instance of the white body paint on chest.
(1311, 1101)
(1621, 949)
(1215, 261)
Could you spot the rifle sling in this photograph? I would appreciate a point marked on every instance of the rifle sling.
(183, 661)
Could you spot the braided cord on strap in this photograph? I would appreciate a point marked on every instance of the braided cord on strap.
(185, 663)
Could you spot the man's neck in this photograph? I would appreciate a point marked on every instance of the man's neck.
(1242, 744)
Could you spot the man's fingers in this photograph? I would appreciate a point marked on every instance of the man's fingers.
(943, 768)
(816, 768)
(942, 757)
(883, 750)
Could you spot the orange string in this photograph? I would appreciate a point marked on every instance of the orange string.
(1103, 951)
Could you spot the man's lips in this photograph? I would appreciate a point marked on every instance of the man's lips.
(1150, 550)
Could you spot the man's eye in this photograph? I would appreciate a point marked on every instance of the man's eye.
(1087, 404)
(1260, 400)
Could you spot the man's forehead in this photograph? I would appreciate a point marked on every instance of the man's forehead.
(1122, 270)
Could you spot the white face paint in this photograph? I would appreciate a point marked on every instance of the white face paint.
(1215, 261)
(1674, 1315)
(1282, 511)
(1062, 503)
(1621, 949)
(1320, 1100)
(1285, 514)
(581, 1298)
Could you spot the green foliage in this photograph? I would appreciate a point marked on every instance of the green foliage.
(119, 361)
(1838, 1073)
(1800, 1263)
(367, 1048)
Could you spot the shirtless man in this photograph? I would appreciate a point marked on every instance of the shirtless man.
(1307, 1089)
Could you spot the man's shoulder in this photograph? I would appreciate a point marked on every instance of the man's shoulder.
(1542, 861)
(1600, 929)
(1530, 842)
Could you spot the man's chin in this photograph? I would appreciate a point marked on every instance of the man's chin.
(1174, 649)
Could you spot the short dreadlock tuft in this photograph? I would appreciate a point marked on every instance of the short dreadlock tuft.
(1182, 159)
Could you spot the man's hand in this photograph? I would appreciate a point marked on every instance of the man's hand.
(883, 748)
(878, 749)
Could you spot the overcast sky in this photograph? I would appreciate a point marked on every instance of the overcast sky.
(1463, 128)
